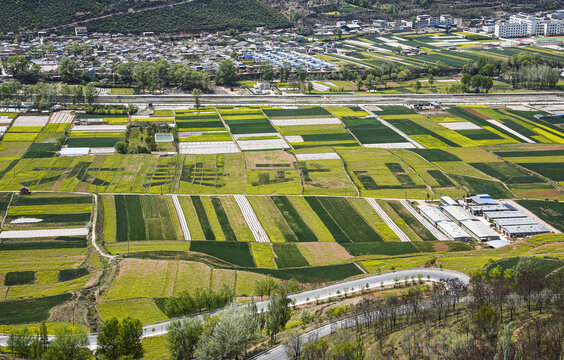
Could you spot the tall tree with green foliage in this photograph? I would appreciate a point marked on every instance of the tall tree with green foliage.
(68, 345)
(108, 345)
(226, 74)
(278, 314)
(129, 338)
(22, 69)
(183, 336)
(229, 334)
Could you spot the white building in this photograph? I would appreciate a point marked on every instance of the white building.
(525, 25)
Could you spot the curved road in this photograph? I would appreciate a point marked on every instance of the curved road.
(322, 293)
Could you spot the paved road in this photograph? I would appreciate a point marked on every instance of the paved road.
(321, 293)
(294, 100)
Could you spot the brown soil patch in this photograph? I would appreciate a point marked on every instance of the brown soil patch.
(474, 112)
(440, 247)
(83, 187)
(57, 184)
(269, 157)
(324, 253)
(93, 280)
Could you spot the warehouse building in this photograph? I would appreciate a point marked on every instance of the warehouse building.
(479, 230)
(524, 230)
(478, 210)
(499, 223)
(457, 213)
(481, 199)
(453, 231)
(493, 215)
(433, 214)
(447, 200)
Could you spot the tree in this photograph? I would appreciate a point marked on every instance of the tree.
(230, 333)
(417, 86)
(183, 336)
(68, 346)
(196, 93)
(309, 87)
(125, 72)
(294, 345)
(226, 74)
(431, 79)
(69, 71)
(129, 338)
(267, 72)
(19, 341)
(90, 94)
(526, 279)
(278, 314)
(339, 33)
(108, 345)
(121, 147)
(486, 324)
(22, 69)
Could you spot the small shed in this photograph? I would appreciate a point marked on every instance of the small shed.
(24, 190)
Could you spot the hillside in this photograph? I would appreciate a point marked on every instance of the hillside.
(127, 16)
(17, 15)
(194, 16)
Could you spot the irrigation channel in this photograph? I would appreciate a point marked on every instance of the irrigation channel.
(309, 296)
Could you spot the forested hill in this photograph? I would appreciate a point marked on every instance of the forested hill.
(138, 16)
(17, 15)
(194, 16)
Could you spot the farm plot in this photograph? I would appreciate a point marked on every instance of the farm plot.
(93, 139)
(311, 112)
(100, 119)
(272, 172)
(378, 173)
(324, 176)
(206, 120)
(29, 310)
(33, 121)
(302, 136)
(213, 174)
(237, 253)
(343, 221)
(288, 256)
(372, 133)
(417, 127)
(41, 211)
(251, 121)
(145, 218)
(270, 213)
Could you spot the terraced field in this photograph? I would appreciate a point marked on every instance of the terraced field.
(310, 214)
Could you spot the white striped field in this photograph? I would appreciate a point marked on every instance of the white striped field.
(181, 218)
(251, 218)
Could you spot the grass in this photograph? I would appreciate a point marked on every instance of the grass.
(311, 219)
(238, 253)
(30, 310)
(109, 232)
(143, 309)
(288, 256)
(372, 131)
(155, 348)
(541, 265)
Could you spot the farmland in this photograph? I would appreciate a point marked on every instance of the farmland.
(323, 207)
